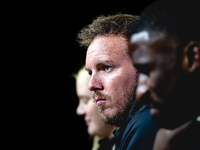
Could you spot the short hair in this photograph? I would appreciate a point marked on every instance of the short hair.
(120, 24)
(178, 19)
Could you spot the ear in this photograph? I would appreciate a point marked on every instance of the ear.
(191, 56)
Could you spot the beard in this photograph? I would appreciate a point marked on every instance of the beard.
(118, 117)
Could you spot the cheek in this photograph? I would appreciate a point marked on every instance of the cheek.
(127, 79)
(122, 84)
(160, 85)
(161, 82)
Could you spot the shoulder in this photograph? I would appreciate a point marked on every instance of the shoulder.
(142, 122)
(140, 131)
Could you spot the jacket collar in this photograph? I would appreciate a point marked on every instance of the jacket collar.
(135, 109)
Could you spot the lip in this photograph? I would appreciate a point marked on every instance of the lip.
(87, 122)
(100, 101)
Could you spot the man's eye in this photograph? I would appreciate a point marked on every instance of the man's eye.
(106, 68)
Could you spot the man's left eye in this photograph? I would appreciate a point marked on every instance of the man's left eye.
(106, 68)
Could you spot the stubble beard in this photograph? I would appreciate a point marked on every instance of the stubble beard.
(118, 117)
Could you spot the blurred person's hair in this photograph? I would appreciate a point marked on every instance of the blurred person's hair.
(82, 76)
(175, 19)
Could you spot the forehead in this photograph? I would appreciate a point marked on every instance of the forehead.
(141, 36)
(142, 44)
(107, 47)
(139, 47)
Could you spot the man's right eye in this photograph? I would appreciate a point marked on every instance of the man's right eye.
(106, 68)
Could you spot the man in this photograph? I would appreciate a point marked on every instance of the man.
(113, 79)
(165, 48)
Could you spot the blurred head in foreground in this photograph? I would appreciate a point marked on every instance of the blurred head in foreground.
(165, 48)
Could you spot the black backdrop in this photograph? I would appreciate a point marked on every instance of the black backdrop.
(45, 55)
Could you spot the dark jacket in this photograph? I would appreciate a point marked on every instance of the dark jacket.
(106, 144)
(139, 130)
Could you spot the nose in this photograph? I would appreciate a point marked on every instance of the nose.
(142, 92)
(80, 109)
(95, 83)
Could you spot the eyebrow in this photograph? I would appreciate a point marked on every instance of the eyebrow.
(103, 62)
(99, 63)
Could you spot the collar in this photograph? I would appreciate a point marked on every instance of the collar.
(136, 108)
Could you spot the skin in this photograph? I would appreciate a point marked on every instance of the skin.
(113, 77)
(166, 81)
(88, 109)
(165, 138)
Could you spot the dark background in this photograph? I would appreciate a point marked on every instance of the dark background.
(44, 56)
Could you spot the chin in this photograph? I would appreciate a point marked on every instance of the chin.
(90, 132)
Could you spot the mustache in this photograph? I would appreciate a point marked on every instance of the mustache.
(99, 95)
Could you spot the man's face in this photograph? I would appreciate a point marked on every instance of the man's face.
(159, 78)
(113, 77)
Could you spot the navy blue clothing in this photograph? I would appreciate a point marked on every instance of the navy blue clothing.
(138, 132)
(106, 144)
